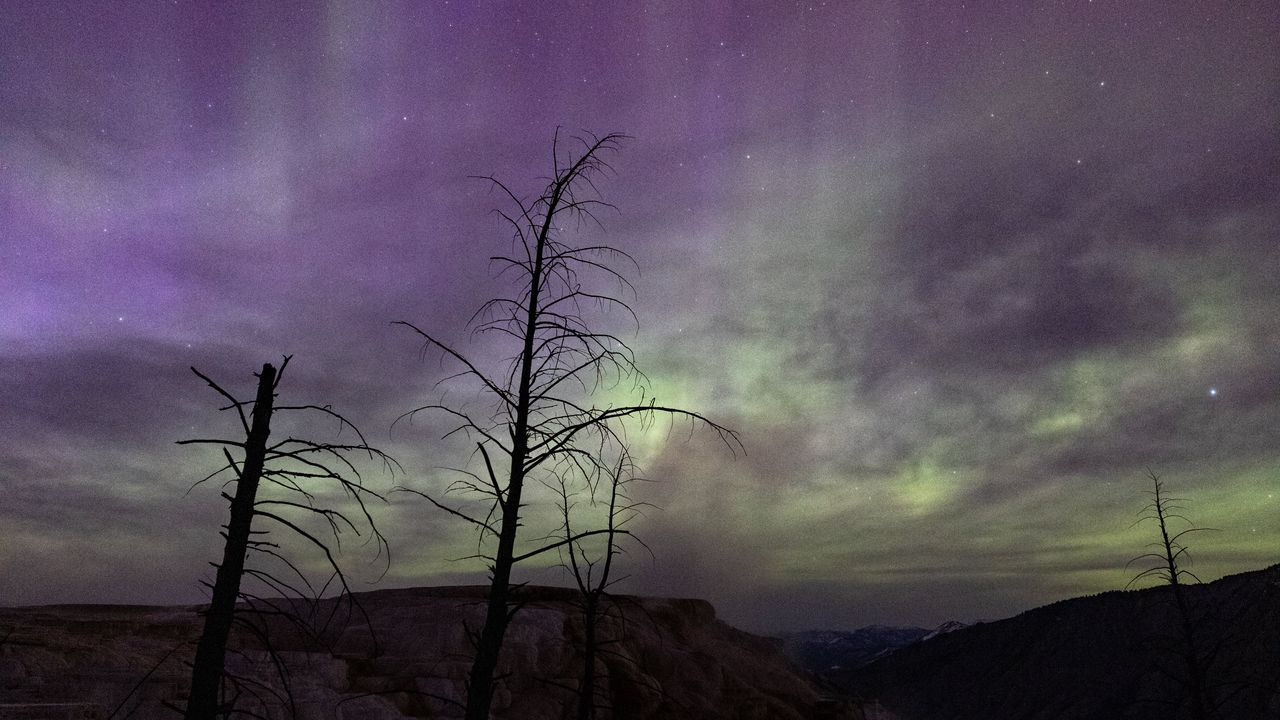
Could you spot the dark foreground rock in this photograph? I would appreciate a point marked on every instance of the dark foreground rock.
(667, 659)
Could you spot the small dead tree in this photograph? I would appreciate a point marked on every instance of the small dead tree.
(291, 466)
(543, 422)
(593, 572)
(1168, 558)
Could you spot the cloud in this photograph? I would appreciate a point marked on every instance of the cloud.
(955, 294)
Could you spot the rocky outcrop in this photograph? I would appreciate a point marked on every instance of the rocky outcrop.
(403, 654)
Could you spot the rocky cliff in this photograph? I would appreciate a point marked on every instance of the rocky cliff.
(401, 654)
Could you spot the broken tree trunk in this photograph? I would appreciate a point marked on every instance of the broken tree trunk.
(206, 673)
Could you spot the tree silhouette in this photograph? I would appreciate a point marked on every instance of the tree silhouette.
(593, 573)
(1168, 565)
(543, 423)
(291, 465)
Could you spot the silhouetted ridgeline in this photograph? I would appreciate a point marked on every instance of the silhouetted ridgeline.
(669, 659)
(1112, 655)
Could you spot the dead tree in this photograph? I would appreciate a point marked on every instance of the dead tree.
(593, 573)
(543, 422)
(292, 465)
(1167, 564)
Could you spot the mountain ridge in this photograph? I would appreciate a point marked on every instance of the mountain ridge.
(1112, 654)
(824, 651)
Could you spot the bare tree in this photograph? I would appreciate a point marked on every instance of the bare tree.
(593, 572)
(543, 422)
(1168, 559)
(292, 466)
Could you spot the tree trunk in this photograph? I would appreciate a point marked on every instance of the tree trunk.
(480, 681)
(207, 671)
(587, 693)
(1197, 686)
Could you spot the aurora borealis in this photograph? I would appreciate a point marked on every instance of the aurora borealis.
(958, 273)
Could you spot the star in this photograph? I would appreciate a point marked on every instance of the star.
(1213, 392)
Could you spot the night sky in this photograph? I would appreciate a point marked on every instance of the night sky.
(958, 273)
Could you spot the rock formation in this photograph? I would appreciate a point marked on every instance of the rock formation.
(409, 658)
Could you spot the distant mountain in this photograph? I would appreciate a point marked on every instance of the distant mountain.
(1114, 655)
(828, 651)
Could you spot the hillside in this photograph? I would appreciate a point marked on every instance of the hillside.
(1112, 655)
